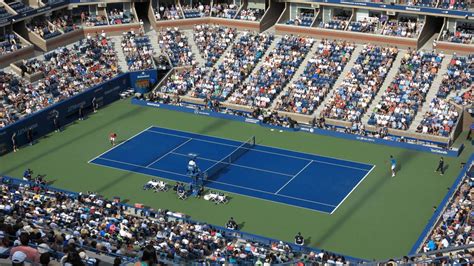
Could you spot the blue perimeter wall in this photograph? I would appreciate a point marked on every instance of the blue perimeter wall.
(441, 207)
(67, 111)
(191, 109)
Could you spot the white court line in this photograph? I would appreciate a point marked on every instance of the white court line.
(242, 195)
(278, 148)
(113, 147)
(218, 182)
(268, 152)
(177, 147)
(233, 164)
(373, 167)
(294, 177)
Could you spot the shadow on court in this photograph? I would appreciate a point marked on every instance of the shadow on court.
(54, 146)
(215, 125)
(353, 207)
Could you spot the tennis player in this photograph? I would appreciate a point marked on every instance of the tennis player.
(113, 137)
(192, 167)
(393, 164)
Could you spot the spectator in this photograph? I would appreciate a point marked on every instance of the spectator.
(212, 41)
(30, 253)
(149, 257)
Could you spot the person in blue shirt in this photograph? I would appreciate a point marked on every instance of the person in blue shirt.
(393, 164)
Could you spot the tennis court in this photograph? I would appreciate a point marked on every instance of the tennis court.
(288, 177)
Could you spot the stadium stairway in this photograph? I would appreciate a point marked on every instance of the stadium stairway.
(154, 42)
(339, 80)
(194, 48)
(120, 55)
(431, 93)
(388, 80)
(298, 73)
(267, 52)
(227, 50)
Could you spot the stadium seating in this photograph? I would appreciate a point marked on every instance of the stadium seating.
(91, 20)
(455, 226)
(224, 10)
(440, 119)
(118, 16)
(9, 43)
(20, 7)
(462, 34)
(176, 46)
(465, 98)
(278, 68)
(90, 62)
(63, 22)
(407, 91)
(403, 28)
(138, 51)
(238, 63)
(459, 76)
(41, 27)
(456, 4)
(181, 82)
(170, 12)
(196, 11)
(337, 23)
(304, 95)
(361, 84)
(367, 25)
(3, 13)
(251, 14)
(305, 20)
(71, 223)
(212, 41)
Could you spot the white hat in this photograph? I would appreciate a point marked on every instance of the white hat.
(43, 248)
(18, 257)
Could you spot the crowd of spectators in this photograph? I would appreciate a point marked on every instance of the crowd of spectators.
(138, 51)
(196, 11)
(455, 4)
(454, 229)
(237, 64)
(181, 81)
(9, 42)
(175, 44)
(91, 20)
(118, 16)
(224, 10)
(464, 98)
(41, 27)
(46, 225)
(323, 69)
(276, 71)
(63, 22)
(352, 98)
(337, 23)
(407, 92)
(304, 19)
(403, 27)
(463, 34)
(459, 77)
(440, 119)
(251, 14)
(13, 94)
(366, 25)
(67, 72)
(170, 12)
(213, 40)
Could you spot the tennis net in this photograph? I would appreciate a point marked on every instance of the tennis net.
(232, 157)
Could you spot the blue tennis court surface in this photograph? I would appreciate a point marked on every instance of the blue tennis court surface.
(298, 179)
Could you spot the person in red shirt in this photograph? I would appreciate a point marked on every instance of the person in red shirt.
(32, 254)
(113, 136)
